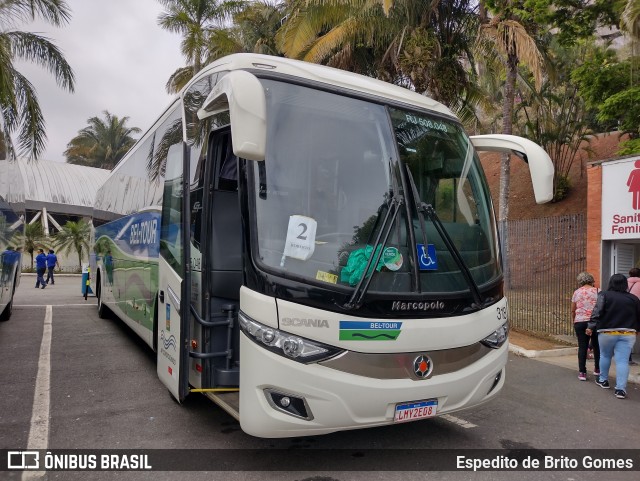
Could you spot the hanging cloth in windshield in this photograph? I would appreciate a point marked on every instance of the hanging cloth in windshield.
(353, 271)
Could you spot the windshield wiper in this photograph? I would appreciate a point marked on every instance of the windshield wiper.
(428, 210)
(455, 253)
(381, 239)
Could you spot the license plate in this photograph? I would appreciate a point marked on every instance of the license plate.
(415, 410)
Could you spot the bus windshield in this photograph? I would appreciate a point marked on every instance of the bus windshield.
(330, 202)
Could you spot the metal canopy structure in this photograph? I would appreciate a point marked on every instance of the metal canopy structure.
(58, 187)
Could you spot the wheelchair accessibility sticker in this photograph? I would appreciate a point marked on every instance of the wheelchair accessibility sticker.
(427, 257)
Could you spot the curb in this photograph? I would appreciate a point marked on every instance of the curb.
(519, 351)
(563, 351)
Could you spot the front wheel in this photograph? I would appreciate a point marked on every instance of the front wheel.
(103, 311)
(8, 310)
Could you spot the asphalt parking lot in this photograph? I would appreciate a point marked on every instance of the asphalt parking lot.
(71, 380)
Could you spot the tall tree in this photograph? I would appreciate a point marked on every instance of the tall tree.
(19, 107)
(197, 21)
(103, 143)
(512, 33)
(74, 236)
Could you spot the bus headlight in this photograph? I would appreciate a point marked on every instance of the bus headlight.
(286, 344)
(498, 337)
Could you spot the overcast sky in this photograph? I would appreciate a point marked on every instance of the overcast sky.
(121, 59)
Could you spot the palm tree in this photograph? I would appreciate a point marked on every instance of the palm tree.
(196, 21)
(33, 238)
(19, 107)
(74, 236)
(514, 43)
(103, 143)
(425, 46)
(256, 25)
(630, 19)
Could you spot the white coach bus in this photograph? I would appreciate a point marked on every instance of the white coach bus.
(312, 249)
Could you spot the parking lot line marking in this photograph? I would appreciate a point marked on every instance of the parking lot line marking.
(54, 305)
(39, 429)
(460, 422)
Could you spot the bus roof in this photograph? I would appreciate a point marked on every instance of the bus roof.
(322, 74)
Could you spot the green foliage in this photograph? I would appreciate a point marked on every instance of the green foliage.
(556, 117)
(623, 108)
(629, 147)
(33, 238)
(103, 143)
(203, 25)
(562, 187)
(74, 236)
(424, 46)
(572, 19)
(606, 84)
(20, 113)
(601, 75)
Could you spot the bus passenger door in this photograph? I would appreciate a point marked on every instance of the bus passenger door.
(173, 299)
(223, 264)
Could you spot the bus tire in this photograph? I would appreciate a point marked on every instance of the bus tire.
(103, 311)
(8, 310)
(6, 314)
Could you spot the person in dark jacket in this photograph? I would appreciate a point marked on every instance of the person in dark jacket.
(616, 318)
(41, 268)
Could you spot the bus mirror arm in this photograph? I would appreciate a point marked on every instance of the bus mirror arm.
(540, 164)
(242, 94)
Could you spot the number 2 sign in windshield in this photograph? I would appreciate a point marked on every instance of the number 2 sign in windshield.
(301, 238)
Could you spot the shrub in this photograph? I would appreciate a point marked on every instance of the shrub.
(629, 147)
(563, 186)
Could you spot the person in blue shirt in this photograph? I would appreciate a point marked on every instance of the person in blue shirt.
(41, 267)
(52, 262)
(8, 259)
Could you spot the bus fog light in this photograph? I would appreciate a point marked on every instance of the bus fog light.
(287, 403)
(496, 380)
(498, 337)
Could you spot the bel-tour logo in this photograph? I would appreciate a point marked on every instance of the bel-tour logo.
(370, 330)
(144, 232)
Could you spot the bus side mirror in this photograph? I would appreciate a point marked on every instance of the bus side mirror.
(540, 165)
(242, 95)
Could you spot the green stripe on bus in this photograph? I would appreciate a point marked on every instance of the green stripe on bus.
(369, 335)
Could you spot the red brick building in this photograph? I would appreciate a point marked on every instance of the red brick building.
(613, 217)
